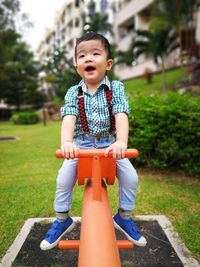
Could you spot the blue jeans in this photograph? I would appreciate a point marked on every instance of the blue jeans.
(67, 176)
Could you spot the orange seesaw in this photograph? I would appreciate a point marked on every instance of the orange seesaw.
(97, 246)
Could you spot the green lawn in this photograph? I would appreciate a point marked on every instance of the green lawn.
(140, 86)
(28, 170)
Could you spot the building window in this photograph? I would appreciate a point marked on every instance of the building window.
(77, 3)
(104, 5)
(77, 22)
(91, 8)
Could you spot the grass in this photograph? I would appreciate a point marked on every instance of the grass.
(28, 170)
(173, 196)
(141, 87)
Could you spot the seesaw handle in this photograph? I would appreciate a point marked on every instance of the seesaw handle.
(89, 153)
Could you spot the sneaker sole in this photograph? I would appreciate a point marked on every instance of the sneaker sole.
(136, 242)
(50, 246)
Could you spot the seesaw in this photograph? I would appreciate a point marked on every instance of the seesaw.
(97, 246)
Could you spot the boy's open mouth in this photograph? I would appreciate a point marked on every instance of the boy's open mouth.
(90, 68)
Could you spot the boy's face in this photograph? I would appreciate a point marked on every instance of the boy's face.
(92, 62)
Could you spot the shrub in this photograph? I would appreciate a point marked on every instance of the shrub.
(165, 129)
(25, 118)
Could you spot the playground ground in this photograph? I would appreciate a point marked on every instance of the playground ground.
(163, 248)
(28, 191)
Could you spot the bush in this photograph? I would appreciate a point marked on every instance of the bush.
(25, 118)
(165, 129)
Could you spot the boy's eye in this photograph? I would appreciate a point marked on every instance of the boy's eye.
(81, 56)
(96, 54)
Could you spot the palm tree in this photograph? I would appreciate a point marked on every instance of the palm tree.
(174, 14)
(156, 44)
(124, 57)
(98, 22)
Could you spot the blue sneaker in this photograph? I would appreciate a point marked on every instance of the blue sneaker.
(128, 227)
(58, 229)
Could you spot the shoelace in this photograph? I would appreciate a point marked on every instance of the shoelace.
(133, 226)
(53, 230)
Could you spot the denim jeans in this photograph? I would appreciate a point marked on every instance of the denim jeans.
(67, 176)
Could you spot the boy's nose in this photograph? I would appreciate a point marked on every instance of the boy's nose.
(88, 58)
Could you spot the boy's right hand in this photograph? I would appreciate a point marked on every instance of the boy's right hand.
(69, 150)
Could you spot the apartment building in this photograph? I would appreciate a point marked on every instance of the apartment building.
(131, 16)
(69, 25)
(125, 16)
(134, 15)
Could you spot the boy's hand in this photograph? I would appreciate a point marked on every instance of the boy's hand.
(118, 149)
(69, 150)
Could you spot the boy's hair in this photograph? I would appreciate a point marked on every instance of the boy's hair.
(94, 36)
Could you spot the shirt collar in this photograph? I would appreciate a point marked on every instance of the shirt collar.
(105, 81)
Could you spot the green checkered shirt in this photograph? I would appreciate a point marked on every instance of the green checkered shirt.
(96, 106)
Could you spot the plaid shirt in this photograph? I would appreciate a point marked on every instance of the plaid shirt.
(96, 106)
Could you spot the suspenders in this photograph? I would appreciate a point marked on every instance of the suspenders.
(82, 110)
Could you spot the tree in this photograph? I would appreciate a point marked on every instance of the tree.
(174, 14)
(156, 44)
(8, 10)
(98, 22)
(120, 57)
(18, 70)
(18, 73)
(60, 73)
(124, 57)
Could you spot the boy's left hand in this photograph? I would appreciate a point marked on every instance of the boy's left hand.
(118, 149)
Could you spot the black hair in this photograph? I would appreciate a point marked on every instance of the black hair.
(94, 36)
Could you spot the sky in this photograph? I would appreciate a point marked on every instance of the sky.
(42, 14)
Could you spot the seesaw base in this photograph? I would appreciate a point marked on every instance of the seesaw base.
(25, 250)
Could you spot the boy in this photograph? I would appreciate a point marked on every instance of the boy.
(91, 121)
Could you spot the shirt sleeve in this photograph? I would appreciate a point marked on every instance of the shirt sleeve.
(119, 99)
(71, 104)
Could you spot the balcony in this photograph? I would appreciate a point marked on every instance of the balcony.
(130, 9)
(125, 42)
(126, 73)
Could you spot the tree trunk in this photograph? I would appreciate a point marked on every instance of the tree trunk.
(164, 86)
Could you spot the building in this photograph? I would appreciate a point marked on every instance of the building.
(131, 16)
(136, 14)
(125, 16)
(69, 24)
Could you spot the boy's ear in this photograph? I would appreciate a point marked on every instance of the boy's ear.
(109, 64)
